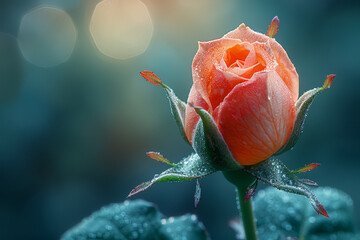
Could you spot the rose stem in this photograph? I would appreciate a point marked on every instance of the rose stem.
(242, 181)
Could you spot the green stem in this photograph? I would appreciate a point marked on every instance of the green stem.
(242, 181)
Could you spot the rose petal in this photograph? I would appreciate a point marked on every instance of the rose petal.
(208, 54)
(285, 68)
(256, 118)
(212, 73)
(191, 117)
(244, 52)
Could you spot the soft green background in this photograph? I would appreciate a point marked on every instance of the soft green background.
(73, 137)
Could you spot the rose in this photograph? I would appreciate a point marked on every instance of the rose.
(246, 93)
(246, 81)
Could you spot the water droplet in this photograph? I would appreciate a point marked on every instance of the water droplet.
(134, 235)
(312, 219)
(272, 227)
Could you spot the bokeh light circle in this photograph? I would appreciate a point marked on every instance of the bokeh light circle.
(64, 4)
(47, 36)
(121, 29)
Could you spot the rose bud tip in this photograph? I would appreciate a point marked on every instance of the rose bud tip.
(242, 25)
(204, 45)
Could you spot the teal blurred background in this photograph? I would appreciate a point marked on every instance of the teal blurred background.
(73, 136)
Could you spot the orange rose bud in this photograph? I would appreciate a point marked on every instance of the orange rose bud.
(246, 81)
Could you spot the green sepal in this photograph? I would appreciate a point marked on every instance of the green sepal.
(273, 172)
(302, 106)
(183, 227)
(178, 107)
(192, 167)
(209, 144)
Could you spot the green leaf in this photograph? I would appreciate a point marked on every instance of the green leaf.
(302, 106)
(192, 167)
(210, 145)
(280, 215)
(135, 220)
(275, 173)
(178, 107)
(184, 227)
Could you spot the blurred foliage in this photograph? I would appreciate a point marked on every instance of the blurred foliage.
(279, 215)
(282, 215)
(136, 220)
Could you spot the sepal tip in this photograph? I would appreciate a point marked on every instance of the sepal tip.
(321, 210)
(251, 191)
(158, 157)
(306, 168)
(274, 27)
(151, 77)
(328, 81)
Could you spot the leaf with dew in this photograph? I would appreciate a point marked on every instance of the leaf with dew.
(281, 215)
(273, 172)
(138, 220)
(192, 167)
